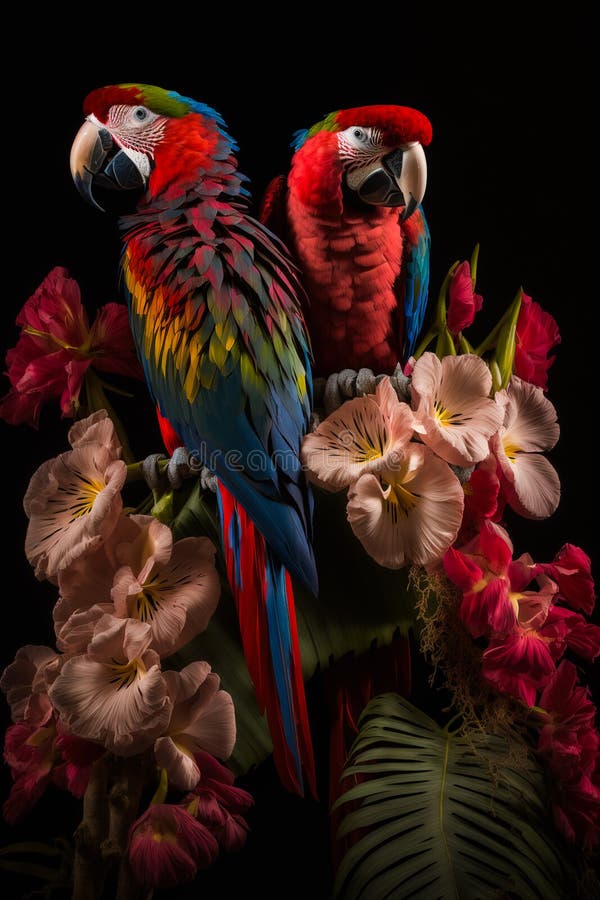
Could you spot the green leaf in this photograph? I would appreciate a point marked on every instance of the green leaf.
(437, 815)
(196, 518)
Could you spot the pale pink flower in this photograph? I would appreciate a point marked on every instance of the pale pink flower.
(528, 480)
(363, 435)
(98, 428)
(73, 503)
(452, 404)
(167, 846)
(25, 687)
(203, 719)
(116, 694)
(140, 573)
(409, 514)
(173, 587)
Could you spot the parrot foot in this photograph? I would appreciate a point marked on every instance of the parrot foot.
(152, 471)
(160, 477)
(334, 390)
(208, 480)
(179, 468)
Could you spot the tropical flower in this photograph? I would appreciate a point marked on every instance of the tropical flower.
(567, 713)
(73, 503)
(537, 333)
(202, 719)
(363, 435)
(115, 694)
(451, 401)
(39, 755)
(219, 804)
(167, 846)
(521, 662)
(410, 513)
(57, 346)
(481, 499)
(493, 584)
(139, 573)
(25, 686)
(570, 745)
(528, 480)
(174, 587)
(463, 302)
(572, 571)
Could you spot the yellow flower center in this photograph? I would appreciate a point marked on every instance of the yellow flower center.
(400, 501)
(86, 496)
(444, 417)
(146, 602)
(83, 350)
(362, 444)
(511, 450)
(124, 674)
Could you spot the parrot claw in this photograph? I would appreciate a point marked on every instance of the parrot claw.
(152, 473)
(178, 468)
(365, 382)
(331, 392)
(208, 480)
(401, 384)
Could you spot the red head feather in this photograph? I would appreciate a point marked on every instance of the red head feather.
(399, 124)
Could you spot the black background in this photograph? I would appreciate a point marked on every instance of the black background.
(512, 165)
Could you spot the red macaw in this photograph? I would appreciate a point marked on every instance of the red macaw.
(350, 211)
(214, 310)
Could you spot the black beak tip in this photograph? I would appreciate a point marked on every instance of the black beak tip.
(84, 187)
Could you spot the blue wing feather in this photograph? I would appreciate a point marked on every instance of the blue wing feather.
(417, 241)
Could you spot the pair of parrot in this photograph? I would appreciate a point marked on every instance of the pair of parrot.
(221, 314)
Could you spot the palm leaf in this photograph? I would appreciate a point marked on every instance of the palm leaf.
(435, 815)
(360, 604)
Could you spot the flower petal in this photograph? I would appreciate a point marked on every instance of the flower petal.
(451, 401)
(415, 518)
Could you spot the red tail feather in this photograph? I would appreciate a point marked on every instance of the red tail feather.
(246, 571)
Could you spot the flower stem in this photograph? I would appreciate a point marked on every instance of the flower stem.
(88, 870)
(96, 400)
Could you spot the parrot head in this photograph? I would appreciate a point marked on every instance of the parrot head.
(370, 154)
(138, 137)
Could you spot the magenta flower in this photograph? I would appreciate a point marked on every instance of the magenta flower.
(452, 405)
(572, 571)
(115, 694)
(537, 334)
(568, 714)
(219, 804)
(520, 663)
(481, 499)
(167, 846)
(57, 346)
(528, 480)
(203, 718)
(73, 502)
(40, 752)
(494, 600)
(463, 302)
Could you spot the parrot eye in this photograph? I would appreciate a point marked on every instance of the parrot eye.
(360, 134)
(140, 114)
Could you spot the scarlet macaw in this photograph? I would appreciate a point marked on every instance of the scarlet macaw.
(215, 314)
(350, 211)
